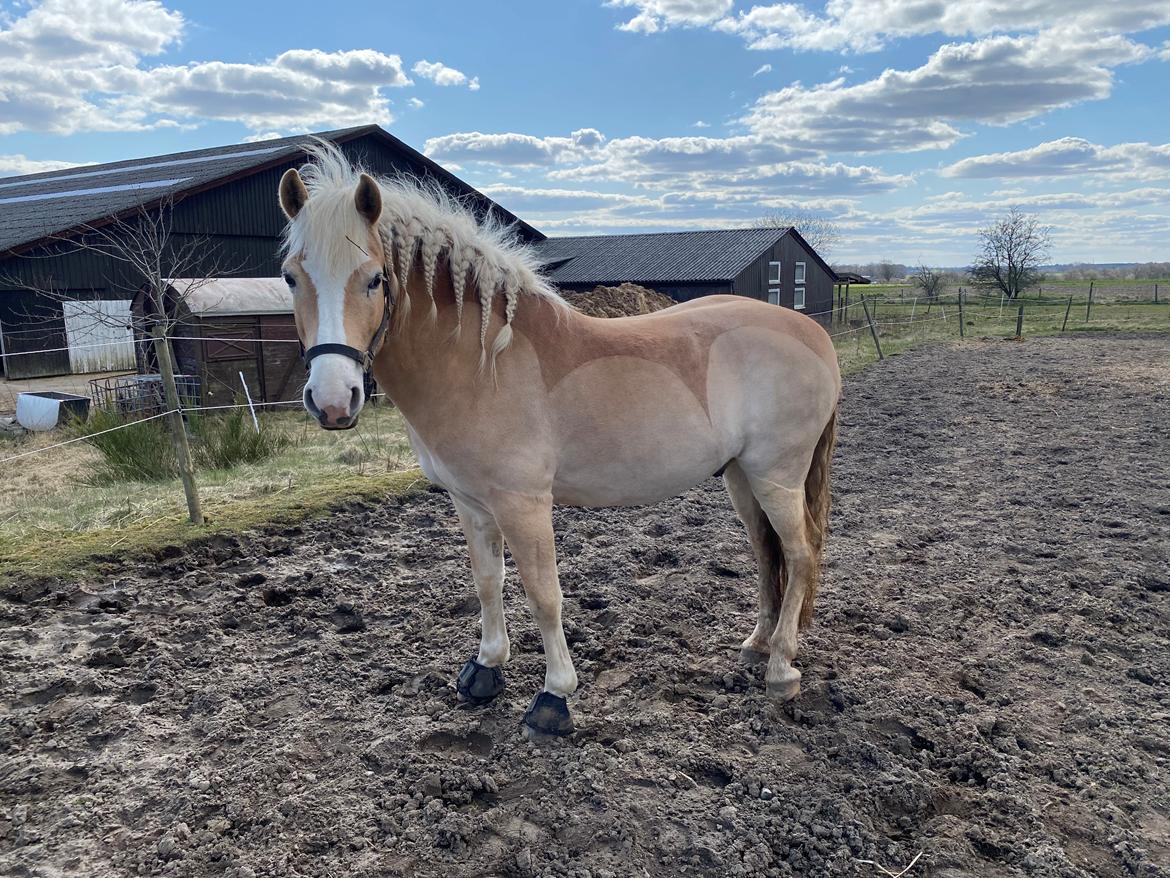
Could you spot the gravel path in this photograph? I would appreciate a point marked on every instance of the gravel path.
(986, 682)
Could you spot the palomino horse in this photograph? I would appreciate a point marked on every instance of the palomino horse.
(514, 401)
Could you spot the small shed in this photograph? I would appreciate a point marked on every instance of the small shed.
(233, 326)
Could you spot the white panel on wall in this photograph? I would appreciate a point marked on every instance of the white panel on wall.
(100, 336)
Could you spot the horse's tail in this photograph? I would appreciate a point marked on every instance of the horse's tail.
(816, 511)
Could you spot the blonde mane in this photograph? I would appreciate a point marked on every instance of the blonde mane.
(420, 222)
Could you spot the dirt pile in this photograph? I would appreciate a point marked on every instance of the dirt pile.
(986, 681)
(626, 300)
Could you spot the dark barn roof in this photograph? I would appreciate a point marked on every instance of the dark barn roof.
(36, 207)
(717, 255)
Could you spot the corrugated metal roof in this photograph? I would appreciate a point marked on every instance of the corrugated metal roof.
(716, 255)
(38, 206)
(235, 295)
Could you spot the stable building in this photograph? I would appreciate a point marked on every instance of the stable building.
(224, 198)
(771, 264)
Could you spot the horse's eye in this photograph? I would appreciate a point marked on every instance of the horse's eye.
(290, 280)
(375, 282)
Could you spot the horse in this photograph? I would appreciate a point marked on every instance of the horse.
(514, 401)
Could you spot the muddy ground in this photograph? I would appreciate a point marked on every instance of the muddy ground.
(986, 682)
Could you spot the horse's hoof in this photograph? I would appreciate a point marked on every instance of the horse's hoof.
(750, 656)
(548, 715)
(478, 684)
(786, 688)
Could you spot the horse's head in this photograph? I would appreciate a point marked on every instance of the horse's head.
(337, 270)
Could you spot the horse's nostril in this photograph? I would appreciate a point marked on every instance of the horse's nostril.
(311, 406)
(355, 399)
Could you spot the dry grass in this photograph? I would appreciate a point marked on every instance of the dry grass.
(52, 517)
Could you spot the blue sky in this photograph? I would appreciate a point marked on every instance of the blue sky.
(908, 122)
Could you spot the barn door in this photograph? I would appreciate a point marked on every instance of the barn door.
(33, 336)
(101, 336)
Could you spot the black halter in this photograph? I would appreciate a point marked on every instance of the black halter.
(365, 358)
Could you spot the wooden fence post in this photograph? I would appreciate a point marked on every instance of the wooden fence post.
(872, 329)
(962, 329)
(1089, 306)
(162, 350)
(1066, 313)
(1020, 323)
(1155, 294)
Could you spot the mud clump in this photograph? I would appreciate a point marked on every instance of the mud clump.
(985, 681)
(626, 300)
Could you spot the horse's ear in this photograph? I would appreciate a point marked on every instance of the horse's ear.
(293, 193)
(368, 199)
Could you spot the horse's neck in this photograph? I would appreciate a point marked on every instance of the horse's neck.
(426, 365)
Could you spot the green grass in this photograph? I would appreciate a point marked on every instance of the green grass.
(55, 516)
(984, 318)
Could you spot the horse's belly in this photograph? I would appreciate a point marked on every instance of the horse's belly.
(629, 432)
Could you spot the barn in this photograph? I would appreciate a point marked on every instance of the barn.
(772, 264)
(62, 303)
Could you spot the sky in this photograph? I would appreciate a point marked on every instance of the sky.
(909, 123)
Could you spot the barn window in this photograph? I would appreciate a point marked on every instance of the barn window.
(798, 298)
(799, 273)
(773, 272)
(773, 297)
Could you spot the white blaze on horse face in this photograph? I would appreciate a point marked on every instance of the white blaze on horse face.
(333, 378)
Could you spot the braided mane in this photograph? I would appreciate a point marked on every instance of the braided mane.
(421, 224)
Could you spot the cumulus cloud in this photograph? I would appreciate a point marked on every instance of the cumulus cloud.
(522, 150)
(15, 165)
(701, 124)
(441, 74)
(80, 65)
(656, 15)
(997, 80)
(869, 25)
(1068, 156)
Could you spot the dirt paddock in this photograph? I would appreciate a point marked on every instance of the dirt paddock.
(986, 682)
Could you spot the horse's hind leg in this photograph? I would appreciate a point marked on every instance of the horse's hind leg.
(481, 679)
(785, 508)
(766, 547)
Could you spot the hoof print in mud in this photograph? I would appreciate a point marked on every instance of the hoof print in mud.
(478, 684)
(548, 715)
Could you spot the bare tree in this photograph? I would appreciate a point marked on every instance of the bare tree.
(822, 234)
(1013, 248)
(146, 255)
(931, 281)
(886, 271)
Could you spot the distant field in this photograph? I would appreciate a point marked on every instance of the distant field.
(1103, 290)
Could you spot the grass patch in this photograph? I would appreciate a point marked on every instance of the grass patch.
(55, 516)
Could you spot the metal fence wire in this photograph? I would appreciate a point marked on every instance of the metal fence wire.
(141, 396)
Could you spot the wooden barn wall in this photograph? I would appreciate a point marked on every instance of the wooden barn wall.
(818, 286)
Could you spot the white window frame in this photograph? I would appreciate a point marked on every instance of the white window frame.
(774, 273)
(800, 273)
(798, 298)
(774, 296)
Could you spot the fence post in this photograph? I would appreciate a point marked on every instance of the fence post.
(1155, 294)
(962, 325)
(1066, 313)
(872, 329)
(162, 350)
(1089, 306)
(1020, 323)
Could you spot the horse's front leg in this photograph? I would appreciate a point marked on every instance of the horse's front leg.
(527, 525)
(481, 679)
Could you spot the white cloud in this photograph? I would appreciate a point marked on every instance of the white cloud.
(79, 65)
(262, 136)
(523, 150)
(701, 124)
(441, 74)
(415, 103)
(656, 15)
(1067, 156)
(15, 165)
(869, 25)
(763, 68)
(997, 80)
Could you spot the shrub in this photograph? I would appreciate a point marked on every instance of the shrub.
(227, 440)
(140, 451)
